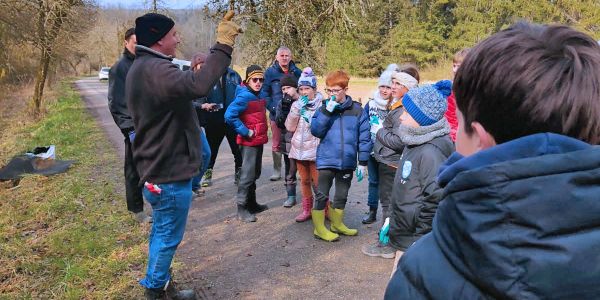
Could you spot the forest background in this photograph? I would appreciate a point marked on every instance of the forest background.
(43, 41)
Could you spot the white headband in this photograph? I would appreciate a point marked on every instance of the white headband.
(405, 80)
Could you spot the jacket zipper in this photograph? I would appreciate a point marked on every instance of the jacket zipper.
(342, 136)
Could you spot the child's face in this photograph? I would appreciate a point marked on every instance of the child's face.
(455, 66)
(385, 92)
(308, 92)
(407, 120)
(398, 90)
(337, 91)
(290, 91)
(255, 83)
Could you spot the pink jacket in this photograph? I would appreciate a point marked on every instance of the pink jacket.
(304, 144)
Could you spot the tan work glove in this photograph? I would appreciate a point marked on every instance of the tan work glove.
(228, 30)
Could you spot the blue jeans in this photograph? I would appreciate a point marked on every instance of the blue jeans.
(169, 212)
(205, 161)
(373, 175)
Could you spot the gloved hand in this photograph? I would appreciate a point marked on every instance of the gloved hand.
(304, 114)
(286, 102)
(331, 105)
(304, 100)
(250, 133)
(361, 172)
(227, 30)
(375, 124)
(384, 237)
(131, 136)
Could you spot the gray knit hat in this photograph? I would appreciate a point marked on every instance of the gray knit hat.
(427, 104)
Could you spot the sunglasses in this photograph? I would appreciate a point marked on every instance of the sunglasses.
(256, 79)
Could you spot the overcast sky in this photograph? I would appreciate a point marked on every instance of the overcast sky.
(174, 4)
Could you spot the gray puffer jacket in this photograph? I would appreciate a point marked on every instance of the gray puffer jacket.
(388, 145)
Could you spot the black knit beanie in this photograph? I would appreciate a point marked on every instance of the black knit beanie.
(253, 70)
(289, 80)
(152, 27)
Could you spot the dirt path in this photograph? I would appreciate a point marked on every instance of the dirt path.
(274, 258)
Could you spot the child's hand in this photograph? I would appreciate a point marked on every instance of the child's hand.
(384, 238)
(361, 172)
(331, 106)
(304, 100)
(250, 133)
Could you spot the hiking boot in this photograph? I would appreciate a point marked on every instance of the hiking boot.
(379, 250)
(290, 201)
(371, 216)
(276, 166)
(207, 178)
(142, 218)
(238, 174)
(244, 214)
(307, 204)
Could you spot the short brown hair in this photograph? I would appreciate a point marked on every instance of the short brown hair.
(459, 56)
(338, 77)
(411, 70)
(531, 79)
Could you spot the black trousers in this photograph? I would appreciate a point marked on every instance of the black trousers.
(215, 132)
(386, 185)
(290, 175)
(133, 192)
(343, 180)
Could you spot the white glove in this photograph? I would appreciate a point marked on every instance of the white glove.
(331, 106)
(361, 172)
(250, 133)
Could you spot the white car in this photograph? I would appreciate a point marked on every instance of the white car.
(182, 64)
(103, 74)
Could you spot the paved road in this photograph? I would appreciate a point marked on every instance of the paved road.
(274, 258)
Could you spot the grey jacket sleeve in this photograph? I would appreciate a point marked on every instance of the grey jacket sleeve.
(387, 135)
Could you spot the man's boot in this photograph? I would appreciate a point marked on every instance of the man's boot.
(371, 216)
(307, 204)
(276, 166)
(321, 232)
(337, 222)
(244, 214)
(207, 178)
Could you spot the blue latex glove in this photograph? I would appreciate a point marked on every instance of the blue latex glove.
(304, 114)
(361, 173)
(384, 238)
(331, 105)
(131, 136)
(304, 100)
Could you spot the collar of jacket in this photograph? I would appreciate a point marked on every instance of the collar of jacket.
(139, 49)
(128, 54)
(291, 66)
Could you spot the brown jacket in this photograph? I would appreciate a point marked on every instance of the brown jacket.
(159, 95)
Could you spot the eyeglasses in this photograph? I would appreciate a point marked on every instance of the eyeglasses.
(256, 79)
(333, 91)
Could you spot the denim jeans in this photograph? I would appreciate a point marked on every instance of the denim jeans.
(373, 176)
(169, 212)
(205, 161)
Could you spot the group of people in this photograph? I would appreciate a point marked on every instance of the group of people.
(488, 184)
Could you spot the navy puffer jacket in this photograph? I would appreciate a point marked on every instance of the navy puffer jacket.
(345, 135)
(271, 89)
(520, 220)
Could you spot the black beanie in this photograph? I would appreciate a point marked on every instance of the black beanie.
(289, 80)
(151, 27)
(253, 70)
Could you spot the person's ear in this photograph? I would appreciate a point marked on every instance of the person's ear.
(484, 139)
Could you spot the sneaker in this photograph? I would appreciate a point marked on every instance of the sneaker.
(141, 217)
(207, 178)
(379, 250)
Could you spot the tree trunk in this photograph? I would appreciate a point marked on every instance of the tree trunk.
(40, 81)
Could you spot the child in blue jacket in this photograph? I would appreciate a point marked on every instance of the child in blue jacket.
(344, 130)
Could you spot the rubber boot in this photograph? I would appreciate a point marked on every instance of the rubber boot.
(321, 232)
(337, 222)
(276, 166)
(307, 204)
(291, 199)
(253, 206)
(371, 216)
(244, 214)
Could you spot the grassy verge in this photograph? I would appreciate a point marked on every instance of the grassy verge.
(68, 236)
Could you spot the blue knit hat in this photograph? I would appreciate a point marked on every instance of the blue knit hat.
(307, 78)
(427, 104)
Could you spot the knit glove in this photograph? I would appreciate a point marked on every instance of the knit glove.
(131, 136)
(228, 30)
(331, 105)
(361, 172)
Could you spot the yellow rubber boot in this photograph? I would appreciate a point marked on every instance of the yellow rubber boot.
(337, 222)
(321, 232)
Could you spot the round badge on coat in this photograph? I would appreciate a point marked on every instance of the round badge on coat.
(406, 168)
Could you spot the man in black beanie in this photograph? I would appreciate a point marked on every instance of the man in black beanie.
(166, 147)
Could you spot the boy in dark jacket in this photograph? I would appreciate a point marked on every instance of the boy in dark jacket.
(289, 88)
(344, 130)
(519, 217)
(247, 115)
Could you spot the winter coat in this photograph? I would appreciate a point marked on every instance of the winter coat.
(344, 134)
(248, 112)
(416, 194)
(304, 144)
(388, 146)
(518, 221)
(222, 93)
(117, 103)
(271, 89)
(283, 109)
(159, 96)
(451, 116)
